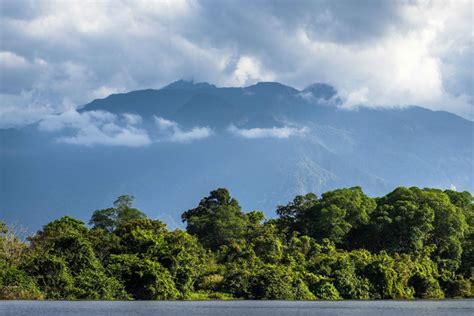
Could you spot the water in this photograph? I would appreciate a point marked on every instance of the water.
(231, 308)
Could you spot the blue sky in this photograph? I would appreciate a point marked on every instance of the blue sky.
(55, 56)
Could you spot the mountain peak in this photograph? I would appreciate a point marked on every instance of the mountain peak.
(189, 85)
(271, 87)
(321, 90)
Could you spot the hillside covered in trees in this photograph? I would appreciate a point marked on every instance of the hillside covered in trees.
(266, 142)
(410, 243)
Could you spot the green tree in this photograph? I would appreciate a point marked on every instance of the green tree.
(217, 220)
(12, 248)
(336, 214)
(185, 258)
(266, 243)
(110, 218)
(465, 202)
(293, 216)
(410, 243)
(144, 279)
(52, 276)
(278, 282)
(449, 229)
(63, 262)
(400, 223)
(142, 236)
(177, 251)
(15, 284)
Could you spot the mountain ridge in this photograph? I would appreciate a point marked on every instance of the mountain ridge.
(265, 142)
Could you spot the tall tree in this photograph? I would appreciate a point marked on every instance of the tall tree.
(110, 218)
(217, 220)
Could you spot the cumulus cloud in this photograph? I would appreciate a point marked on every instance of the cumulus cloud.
(58, 54)
(249, 69)
(104, 128)
(96, 128)
(170, 131)
(272, 132)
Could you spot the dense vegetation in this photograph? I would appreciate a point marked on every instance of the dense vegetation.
(411, 243)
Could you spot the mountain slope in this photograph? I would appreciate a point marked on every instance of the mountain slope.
(266, 143)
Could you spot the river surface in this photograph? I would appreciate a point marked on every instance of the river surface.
(231, 308)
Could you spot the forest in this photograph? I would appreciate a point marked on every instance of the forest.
(411, 243)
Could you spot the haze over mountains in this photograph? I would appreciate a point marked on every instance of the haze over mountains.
(266, 143)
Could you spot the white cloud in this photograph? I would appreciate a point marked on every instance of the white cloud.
(356, 98)
(10, 59)
(249, 70)
(104, 128)
(272, 132)
(105, 91)
(21, 109)
(131, 137)
(170, 131)
(96, 128)
(61, 53)
(194, 134)
(132, 119)
(164, 124)
(405, 66)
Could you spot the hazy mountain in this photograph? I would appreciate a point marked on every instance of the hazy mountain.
(266, 143)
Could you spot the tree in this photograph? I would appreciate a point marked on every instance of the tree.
(144, 279)
(184, 257)
(278, 282)
(110, 218)
(266, 244)
(465, 202)
(293, 216)
(217, 220)
(177, 251)
(52, 276)
(354, 202)
(410, 243)
(11, 246)
(15, 284)
(142, 236)
(449, 227)
(62, 261)
(336, 214)
(105, 219)
(123, 202)
(400, 222)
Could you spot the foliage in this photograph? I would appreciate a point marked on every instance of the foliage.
(111, 218)
(16, 284)
(143, 279)
(410, 243)
(217, 220)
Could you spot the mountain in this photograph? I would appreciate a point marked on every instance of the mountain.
(266, 143)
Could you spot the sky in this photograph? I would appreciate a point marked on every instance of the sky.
(58, 55)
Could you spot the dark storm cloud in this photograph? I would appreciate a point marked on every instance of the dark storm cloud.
(338, 21)
(56, 55)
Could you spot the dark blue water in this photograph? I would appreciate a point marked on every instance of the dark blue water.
(231, 308)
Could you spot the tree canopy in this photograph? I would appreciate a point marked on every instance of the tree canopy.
(111, 218)
(410, 243)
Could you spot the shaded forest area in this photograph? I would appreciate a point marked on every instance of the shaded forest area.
(410, 243)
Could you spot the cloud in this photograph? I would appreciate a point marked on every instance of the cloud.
(104, 128)
(272, 132)
(170, 131)
(132, 119)
(249, 69)
(58, 54)
(96, 128)
(17, 73)
(356, 98)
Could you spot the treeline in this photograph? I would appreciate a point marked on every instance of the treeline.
(411, 243)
